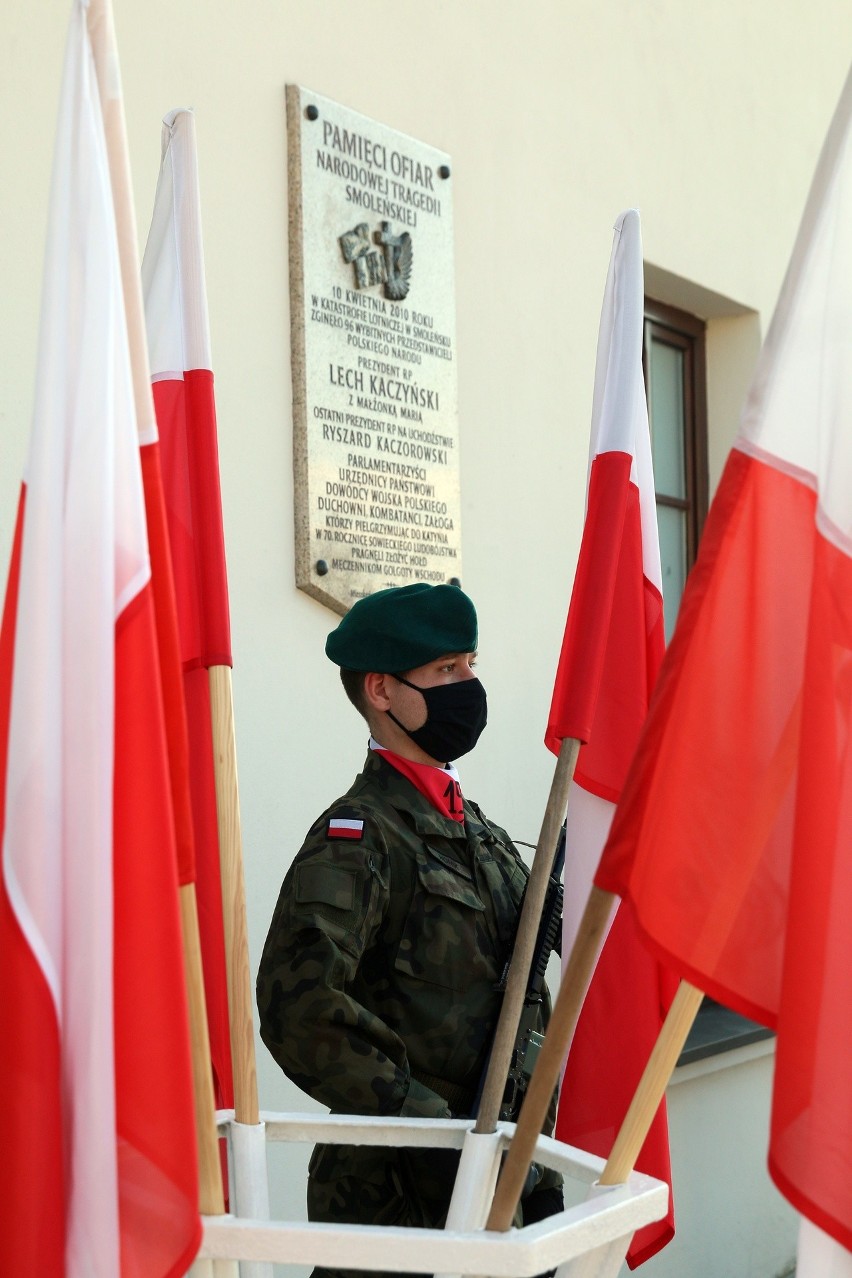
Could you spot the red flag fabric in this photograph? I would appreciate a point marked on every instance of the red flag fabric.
(99, 1170)
(611, 652)
(168, 647)
(732, 839)
(179, 352)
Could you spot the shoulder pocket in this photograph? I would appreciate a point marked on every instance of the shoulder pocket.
(339, 900)
(326, 885)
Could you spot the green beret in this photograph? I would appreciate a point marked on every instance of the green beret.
(403, 627)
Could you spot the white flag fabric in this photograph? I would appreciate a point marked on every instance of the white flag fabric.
(819, 1255)
(90, 956)
(612, 649)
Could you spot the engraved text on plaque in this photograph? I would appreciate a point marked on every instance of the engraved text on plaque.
(373, 349)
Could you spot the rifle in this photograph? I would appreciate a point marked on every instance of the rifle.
(528, 1040)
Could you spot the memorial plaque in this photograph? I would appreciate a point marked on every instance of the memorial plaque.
(375, 416)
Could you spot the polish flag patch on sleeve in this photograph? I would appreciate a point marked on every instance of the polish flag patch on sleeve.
(345, 828)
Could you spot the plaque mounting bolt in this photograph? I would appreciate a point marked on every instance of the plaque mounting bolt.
(443, 171)
(454, 581)
(312, 112)
(322, 567)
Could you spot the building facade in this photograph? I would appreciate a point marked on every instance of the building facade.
(709, 119)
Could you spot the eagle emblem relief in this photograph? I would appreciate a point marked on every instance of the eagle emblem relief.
(399, 255)
(389, 264)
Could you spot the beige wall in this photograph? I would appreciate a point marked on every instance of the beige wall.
(708, 116)
(731, 1221)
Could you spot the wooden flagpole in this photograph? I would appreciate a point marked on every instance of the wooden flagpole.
(563, 1022)
(652, 1085)
(101, 33)
(211, 1198)
(516, 982)
(647, 1096)
(233, 895)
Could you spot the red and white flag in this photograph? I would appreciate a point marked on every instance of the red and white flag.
(98, 1175)
(179, 353)
(733, 839)
(612, 649)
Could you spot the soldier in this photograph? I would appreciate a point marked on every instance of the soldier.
(376, 987)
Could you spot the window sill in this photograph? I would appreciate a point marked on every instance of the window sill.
(717, 1030)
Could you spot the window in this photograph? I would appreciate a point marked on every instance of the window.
(675, 381)
(677, 407)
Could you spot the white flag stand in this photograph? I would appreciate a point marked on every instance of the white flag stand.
(476, 1179)
(587, 1240)
(249, 1189)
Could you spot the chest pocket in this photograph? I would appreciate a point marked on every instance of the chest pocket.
(504, 879)
(445, 936)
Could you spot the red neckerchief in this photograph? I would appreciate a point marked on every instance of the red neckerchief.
(439, 785)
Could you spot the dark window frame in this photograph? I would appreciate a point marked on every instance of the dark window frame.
(687, 334)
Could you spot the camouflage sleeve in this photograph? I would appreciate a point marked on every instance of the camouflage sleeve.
(330, 908)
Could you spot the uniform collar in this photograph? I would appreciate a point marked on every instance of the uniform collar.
(440, 785)
(426, 818)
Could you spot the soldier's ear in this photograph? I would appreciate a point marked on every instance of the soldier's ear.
(375, 691)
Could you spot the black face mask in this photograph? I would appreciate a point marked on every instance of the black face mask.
(456, 713)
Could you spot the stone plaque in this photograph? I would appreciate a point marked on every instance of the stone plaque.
(375, 450)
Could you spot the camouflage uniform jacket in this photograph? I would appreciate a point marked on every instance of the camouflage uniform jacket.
(376, 987)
